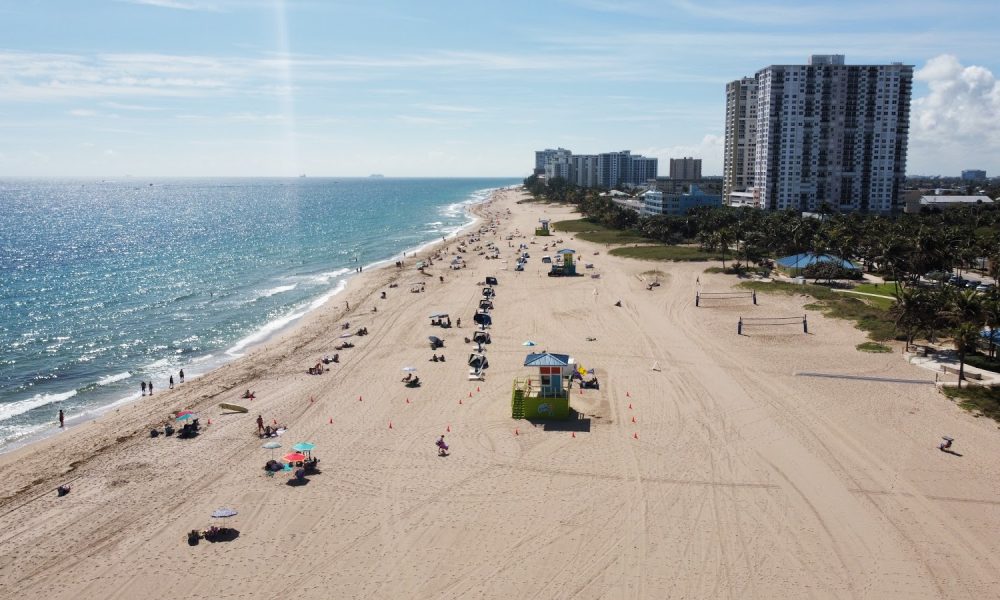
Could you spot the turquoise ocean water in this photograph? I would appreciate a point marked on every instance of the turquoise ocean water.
(106, 283)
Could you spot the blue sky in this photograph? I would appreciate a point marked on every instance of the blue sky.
(442, 88)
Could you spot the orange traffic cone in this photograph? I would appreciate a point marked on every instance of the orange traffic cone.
(331, 420)
(628, 395)
(630, 406)
(516, 432)
(574, 434)
(390, 424)
(633, 419)
(359, 398)
(459, 400)
(635, 435)
(210, 421)
(470, 394)
(449, 429)
(407, 400)
(477, 388)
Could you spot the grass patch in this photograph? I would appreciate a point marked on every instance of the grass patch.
(977, 399)
(875, 347)
(595, 232)
(882, 289)
(658, 252)
(714, 270)
(981, 361)
(867, 317)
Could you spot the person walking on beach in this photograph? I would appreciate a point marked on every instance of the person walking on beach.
(62, 419)
(171, 382)
(182, 375)
(142, 385)
(150, 388)
(260, 424)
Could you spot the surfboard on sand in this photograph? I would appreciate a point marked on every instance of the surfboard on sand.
(233, 407)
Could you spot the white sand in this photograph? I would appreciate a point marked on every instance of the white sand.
(745, 480)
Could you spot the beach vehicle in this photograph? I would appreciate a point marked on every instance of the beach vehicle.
(491, 281)
(547, 260)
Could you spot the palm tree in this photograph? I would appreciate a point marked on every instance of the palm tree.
(991, 314)
(965, 338)
(912, 312)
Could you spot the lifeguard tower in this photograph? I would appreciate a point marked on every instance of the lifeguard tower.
(546, 395)
(566, 267)
(544, 228)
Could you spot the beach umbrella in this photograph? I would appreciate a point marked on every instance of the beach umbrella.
(303, 446)
(295, 457)
(221, 513)
(185, 412)
(272, 446)
(409, 369)
(187, 416)
(529, 343)
(346, 335)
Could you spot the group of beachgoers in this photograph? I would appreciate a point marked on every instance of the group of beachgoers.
(143, 386)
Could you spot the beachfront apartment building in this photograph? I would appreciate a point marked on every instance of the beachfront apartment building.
(655, 202)
(583, 170)
(823, 133)
(741, 127)
(605, 170)
(685, 168)
(542, 157)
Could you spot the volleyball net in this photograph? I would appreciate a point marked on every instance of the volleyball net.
(700, 296)
(771, 322)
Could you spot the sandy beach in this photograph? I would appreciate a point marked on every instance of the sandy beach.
(707, 465)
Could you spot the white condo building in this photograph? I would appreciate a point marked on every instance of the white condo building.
(607, 170)
(741, 129)
(825, 133)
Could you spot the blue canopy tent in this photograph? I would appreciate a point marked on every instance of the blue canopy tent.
(796, 262)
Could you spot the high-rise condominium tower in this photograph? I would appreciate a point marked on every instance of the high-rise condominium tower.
(825, 133)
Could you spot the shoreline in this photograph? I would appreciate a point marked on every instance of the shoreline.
(222, 356)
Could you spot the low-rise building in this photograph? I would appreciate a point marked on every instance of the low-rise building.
(936, 202)
(656, 202)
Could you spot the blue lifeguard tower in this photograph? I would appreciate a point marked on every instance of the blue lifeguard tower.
(547, 395)
(566, 267)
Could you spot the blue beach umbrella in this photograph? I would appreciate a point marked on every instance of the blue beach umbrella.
(304, 446)
(187, 416)
(529, 343)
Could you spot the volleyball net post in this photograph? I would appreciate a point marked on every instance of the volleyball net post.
(700, 295)
(772, 321)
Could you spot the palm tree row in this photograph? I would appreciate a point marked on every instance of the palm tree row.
(902, 247)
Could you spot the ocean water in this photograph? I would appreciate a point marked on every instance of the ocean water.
(104, 284)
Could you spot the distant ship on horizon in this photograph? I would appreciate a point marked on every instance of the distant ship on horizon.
(376, 175)
(302, 175)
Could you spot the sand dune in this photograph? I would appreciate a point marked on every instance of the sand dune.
(736, 479)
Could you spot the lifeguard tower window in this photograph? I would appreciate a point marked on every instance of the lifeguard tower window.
(546, 381)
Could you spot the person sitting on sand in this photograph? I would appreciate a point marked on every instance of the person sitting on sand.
(248, 394)
(408, 378)
(442, 447)
(434, 358)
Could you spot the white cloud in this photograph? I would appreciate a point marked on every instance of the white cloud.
(83, 112)
(963, 103)
(960, 113)
(174, 4)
